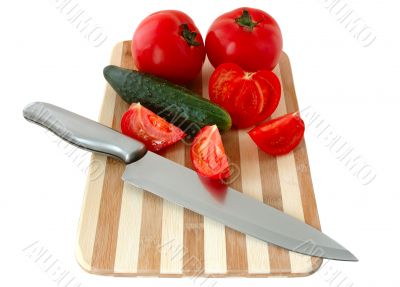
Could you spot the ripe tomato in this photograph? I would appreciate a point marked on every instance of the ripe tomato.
(248, 97)
(208, 154)
(248, 37)
(169, 45)
(280, 135)
(147, 127)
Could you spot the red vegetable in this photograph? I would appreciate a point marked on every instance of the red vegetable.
(248, 97)
(248, 37)
(169, 45)
(208, 154)
(279, 136)
(147, 127)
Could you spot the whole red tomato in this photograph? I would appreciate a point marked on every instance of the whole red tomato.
(248, 37)
(169, 45)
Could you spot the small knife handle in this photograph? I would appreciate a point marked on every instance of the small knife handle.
(84, 133)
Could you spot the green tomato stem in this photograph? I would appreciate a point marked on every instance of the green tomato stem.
(246, 21)
(189, 36)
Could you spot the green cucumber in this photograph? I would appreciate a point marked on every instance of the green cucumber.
(175, 103)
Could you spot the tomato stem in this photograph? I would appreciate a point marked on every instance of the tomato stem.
(189, 36)
(246, 21)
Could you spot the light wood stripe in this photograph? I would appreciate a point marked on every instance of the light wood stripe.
(292, 205)
(127, 249)
(301, 157)
(127, 253)
(172, 239)
(214, 232)
(290, 190)
(279, 257)
(94, 182)
(172, 224)
(257, 250)
(214, 247)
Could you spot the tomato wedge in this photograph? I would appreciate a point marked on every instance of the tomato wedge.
(279, 136)
(208, 154)
(149, 128)
(248, 97)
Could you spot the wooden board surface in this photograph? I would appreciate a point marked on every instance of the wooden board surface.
(127, 231)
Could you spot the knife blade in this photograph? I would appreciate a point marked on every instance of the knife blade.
(182, 186)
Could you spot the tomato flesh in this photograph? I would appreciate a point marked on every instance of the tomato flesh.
(149, 128)
(248, 97)
(208, 154)
(248, 37)
(169, 45)
(279, 136)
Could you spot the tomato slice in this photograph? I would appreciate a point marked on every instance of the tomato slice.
(208, 154)
(248, 97)
(279, 136)
(149, 128)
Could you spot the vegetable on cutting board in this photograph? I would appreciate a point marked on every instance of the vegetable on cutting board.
(178, 105)
(248, 97)
(152, 130)
(208, 154)
(279, 136)
(169, 45)
(248, 37)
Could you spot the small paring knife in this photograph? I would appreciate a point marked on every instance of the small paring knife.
(184, 187)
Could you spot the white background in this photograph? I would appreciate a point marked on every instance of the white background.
(353, 88)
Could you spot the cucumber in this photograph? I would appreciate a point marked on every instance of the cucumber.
(178, 105)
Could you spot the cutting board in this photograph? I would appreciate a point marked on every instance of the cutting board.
(127, 231)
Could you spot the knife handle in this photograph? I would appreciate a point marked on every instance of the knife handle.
(84, 133)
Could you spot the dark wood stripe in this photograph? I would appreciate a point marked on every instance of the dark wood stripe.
(278, 257)
(236, 252)
(193, 223)
(150, 235)
(300, 155)
(105, 244)
(193, 235)
(107, 225)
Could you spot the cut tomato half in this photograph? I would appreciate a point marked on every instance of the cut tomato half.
(208, 154)
(279, 136)
(149, 128)
(248, 97)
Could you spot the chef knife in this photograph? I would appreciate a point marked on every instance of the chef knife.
(182, 186)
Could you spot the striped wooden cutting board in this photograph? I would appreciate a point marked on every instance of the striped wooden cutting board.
(128, 231)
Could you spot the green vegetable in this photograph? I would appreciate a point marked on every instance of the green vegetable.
(178, 105)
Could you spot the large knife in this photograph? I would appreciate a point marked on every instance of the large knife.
(184, 187)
